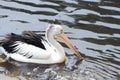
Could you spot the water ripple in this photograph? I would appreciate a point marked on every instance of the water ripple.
(92, 25)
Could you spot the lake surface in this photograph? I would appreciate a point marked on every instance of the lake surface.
(92, 25)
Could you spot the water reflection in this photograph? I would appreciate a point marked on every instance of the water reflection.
(92, 25)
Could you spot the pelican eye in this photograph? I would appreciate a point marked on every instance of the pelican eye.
(61, 31)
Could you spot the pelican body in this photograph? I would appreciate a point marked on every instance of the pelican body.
(32, 48)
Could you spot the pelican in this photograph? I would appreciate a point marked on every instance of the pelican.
(32, 48)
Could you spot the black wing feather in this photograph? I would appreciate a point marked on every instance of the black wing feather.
(28, 37)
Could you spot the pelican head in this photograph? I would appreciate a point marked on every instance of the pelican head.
(57, 32)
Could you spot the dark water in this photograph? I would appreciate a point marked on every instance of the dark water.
(92, 25)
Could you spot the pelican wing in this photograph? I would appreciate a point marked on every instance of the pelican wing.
(29, 45)
(30, 51)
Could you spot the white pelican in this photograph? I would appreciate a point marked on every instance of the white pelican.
(32, 48)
